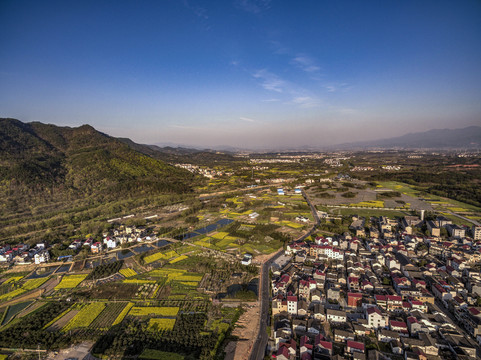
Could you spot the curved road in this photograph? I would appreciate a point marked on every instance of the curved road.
(259, 347)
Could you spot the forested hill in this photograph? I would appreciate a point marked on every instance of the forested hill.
(79, 162)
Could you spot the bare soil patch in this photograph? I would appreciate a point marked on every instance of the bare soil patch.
(60, 323)
(246, 330)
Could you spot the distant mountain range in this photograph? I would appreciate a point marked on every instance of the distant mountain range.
(466, 138)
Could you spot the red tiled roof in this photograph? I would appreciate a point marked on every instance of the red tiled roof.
(400, 324)
(355, 345)
(412, 320)
(357, 295)
(474, 311)
(325, 344)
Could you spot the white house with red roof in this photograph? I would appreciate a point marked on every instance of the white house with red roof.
(419, 305)
(96, 247)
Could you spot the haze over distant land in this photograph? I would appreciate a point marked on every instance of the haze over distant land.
(243, 73)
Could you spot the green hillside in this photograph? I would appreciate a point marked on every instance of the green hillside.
(46, 168)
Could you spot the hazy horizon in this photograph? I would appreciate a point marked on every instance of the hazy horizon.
(247, 74)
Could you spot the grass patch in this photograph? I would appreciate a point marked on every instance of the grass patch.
(149, 354)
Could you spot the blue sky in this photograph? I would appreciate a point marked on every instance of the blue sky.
(243, 72)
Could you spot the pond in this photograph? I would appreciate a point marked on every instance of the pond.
(206, 229)
(142, 248)
(124, 254)
(161, 243)
(62, 268)
(42, 272)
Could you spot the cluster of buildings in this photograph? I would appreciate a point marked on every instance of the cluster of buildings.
(207, 172)
(121, 235)
(22, 254)
(399, 295)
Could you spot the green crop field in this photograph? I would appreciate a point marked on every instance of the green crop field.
(149, 354)
(108, 316)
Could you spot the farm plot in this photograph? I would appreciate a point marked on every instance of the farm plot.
(123, 313)
(161, 324)
(177, 259)
(12, 279)
(175, 275)
(160, 256)
(13, 310)
(62, 320)
(34, 283)
(108, 316)
(12, 294)
(128, 272)
(115, 291)
(70, 281)
(85, 316)
(153, 311)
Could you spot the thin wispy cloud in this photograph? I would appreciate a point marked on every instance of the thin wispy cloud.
(247, 119)
(297, 95)
(271, 100)
(199, 11)
(336, 87)
(306, 64)
(253, 6)
(187, 127)
(270, 81)
(306, 101)
(278, 47)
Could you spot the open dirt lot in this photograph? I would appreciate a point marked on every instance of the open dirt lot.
(246, 330)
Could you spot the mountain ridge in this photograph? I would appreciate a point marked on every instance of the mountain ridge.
(80, 159)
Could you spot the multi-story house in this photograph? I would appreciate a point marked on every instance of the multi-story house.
(375, 318)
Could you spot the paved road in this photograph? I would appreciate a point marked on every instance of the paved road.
(464, 218)
(259, 347)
